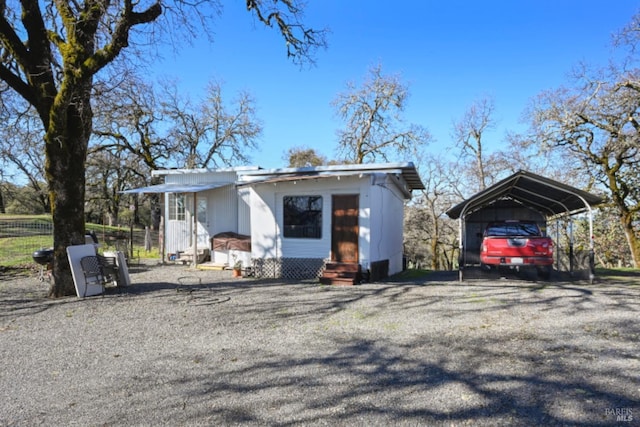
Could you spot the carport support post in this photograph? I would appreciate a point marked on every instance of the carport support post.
(557, 242)
(592, 252)
(460, 249)
(570, 247)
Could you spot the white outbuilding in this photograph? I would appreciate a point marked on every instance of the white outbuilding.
(339, 223)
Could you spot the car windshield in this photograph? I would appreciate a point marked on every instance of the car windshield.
(513, 229)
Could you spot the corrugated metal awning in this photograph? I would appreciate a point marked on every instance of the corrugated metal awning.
(178, 188)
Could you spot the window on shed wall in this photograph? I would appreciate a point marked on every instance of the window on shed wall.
(302, 217)
(202, 211)
(176, 206)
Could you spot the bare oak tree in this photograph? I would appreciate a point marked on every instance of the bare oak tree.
(128, 122)
(597, 123)
(50, 54)
(21, 148)
(374, 126)
(429, 233)
(214, 132)
(128, 143)
(298, 157)
(108, 173)
(469, 133)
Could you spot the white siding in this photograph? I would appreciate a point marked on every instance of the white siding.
(267, 217)
(177, 236)
(190, 177)
(222, 210)
(256, 210)
(264, 228)
(364, 223)
(305, 248)
(244, 211)
(387, 216)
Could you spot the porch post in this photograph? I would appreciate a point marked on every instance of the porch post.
(194, 215)
(161, 240)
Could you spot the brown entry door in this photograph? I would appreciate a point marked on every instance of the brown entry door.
(344, 225)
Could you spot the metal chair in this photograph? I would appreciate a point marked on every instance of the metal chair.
(109, 269)
(93, 273)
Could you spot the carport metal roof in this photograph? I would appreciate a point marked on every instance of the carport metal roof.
(552, 198)
(549, 197)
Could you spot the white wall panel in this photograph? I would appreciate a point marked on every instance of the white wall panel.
(268, 242)
(263, 224)
(222, 209)
(257, 211)
(244, 211)
(387, 217)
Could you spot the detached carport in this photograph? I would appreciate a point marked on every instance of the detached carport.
(523, 195)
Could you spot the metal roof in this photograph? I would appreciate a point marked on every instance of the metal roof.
(543, 194)
(249, 175)
(406, 170)
(234, 169)
(178, 188)
(402, 185)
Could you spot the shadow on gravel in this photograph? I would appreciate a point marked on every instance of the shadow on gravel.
(376, 381)
(430, 351)
(307, 299)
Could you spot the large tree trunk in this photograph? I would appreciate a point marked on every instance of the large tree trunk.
(626, 212)
(626, 220)
(435, 243)
(434, 253)
(66, 148)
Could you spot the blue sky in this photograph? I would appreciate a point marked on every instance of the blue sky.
(450, 53)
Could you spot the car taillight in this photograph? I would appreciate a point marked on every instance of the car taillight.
(548, 247)
(544, 247)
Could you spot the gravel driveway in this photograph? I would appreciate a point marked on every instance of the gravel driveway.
(186, 347)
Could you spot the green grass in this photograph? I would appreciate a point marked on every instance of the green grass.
(618, 272)
(20, 235)
(629, 276)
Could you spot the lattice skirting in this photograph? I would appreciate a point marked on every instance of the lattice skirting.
(288, 268)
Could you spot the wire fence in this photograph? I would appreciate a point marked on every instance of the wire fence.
(19, 239)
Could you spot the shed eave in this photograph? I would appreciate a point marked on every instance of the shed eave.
(177, 188)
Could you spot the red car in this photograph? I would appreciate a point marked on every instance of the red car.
(516, 244)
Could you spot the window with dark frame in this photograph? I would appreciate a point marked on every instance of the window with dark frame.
(302, 217)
